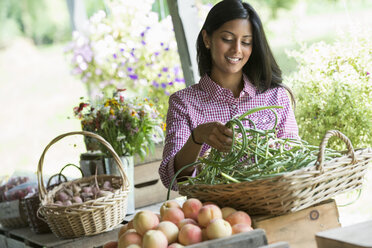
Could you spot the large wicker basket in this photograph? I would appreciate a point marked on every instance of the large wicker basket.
(293, 191)
(90, 217)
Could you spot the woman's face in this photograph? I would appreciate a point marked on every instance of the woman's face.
(230, 46)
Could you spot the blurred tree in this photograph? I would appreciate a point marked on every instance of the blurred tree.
(42, 21)
(276, 5)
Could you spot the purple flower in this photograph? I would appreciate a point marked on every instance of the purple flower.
(77, 70)
(166, 92)
(166, 49)
(132, 53)
(133, 76)
(142, 34)
(86, 52)
(130, 69)
(367, 73)
(159, 74)
(155, 84)
(156, 53)
(179, 80)
(121, 49)
(143, 42)
(165, 69)
(176, 70)
(115, 56)
(163, 85)
(161, 44)
(170, 83)
(127, 126)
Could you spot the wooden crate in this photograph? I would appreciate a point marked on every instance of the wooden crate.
(299, 228)
(148, 188)
(277, 245)
(252, 239)
(354, 236)
(3, 240)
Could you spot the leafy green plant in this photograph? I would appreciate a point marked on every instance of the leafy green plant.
(333, 87)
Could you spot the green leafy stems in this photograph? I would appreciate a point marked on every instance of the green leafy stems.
(255, 154)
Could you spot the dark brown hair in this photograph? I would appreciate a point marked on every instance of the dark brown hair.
(261, 68)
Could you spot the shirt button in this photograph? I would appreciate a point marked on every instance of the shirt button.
(234, 106)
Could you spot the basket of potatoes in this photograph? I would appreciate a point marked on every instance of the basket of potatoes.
(85, 206)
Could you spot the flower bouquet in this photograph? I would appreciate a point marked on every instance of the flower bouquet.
(127, 46)
(131, 125)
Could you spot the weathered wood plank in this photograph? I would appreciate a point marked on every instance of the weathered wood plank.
(354, 236)
(252, 239)
(276, 245)
(148, 188)
(25, 237)
(299, 228)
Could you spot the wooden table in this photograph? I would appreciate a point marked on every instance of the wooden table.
(25, 238)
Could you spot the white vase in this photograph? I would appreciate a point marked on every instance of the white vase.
(111, 168)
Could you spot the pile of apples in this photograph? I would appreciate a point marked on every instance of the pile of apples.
(178, 226)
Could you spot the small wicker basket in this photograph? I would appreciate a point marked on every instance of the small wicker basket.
(90, 217)
(293, 191)
(32, 204)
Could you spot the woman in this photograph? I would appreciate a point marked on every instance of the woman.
(238, 72)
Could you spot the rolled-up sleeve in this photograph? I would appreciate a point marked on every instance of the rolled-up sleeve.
(287, 126)
(178, 131)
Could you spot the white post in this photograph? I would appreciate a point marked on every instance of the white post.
(186, 27)
(78, 15)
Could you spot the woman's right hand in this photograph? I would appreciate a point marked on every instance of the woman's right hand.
(215, 134)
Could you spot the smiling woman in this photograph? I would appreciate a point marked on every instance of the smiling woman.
(238, 72)
(230, 47)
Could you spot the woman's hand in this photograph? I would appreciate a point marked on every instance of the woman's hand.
(215, 134)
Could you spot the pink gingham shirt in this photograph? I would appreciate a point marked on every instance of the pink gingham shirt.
(209, 102)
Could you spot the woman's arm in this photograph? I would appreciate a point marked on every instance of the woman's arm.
(287, 127)
(215, 134)
(179, 148)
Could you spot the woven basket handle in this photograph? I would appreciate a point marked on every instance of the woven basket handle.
(60, 175)
(322, 147)
(68, 165)
(43, 191)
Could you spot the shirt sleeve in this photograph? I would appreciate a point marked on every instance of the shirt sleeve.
(287, 126)
(178, 131)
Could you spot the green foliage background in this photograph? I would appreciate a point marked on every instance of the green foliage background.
(42, 21)
(333, 87)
